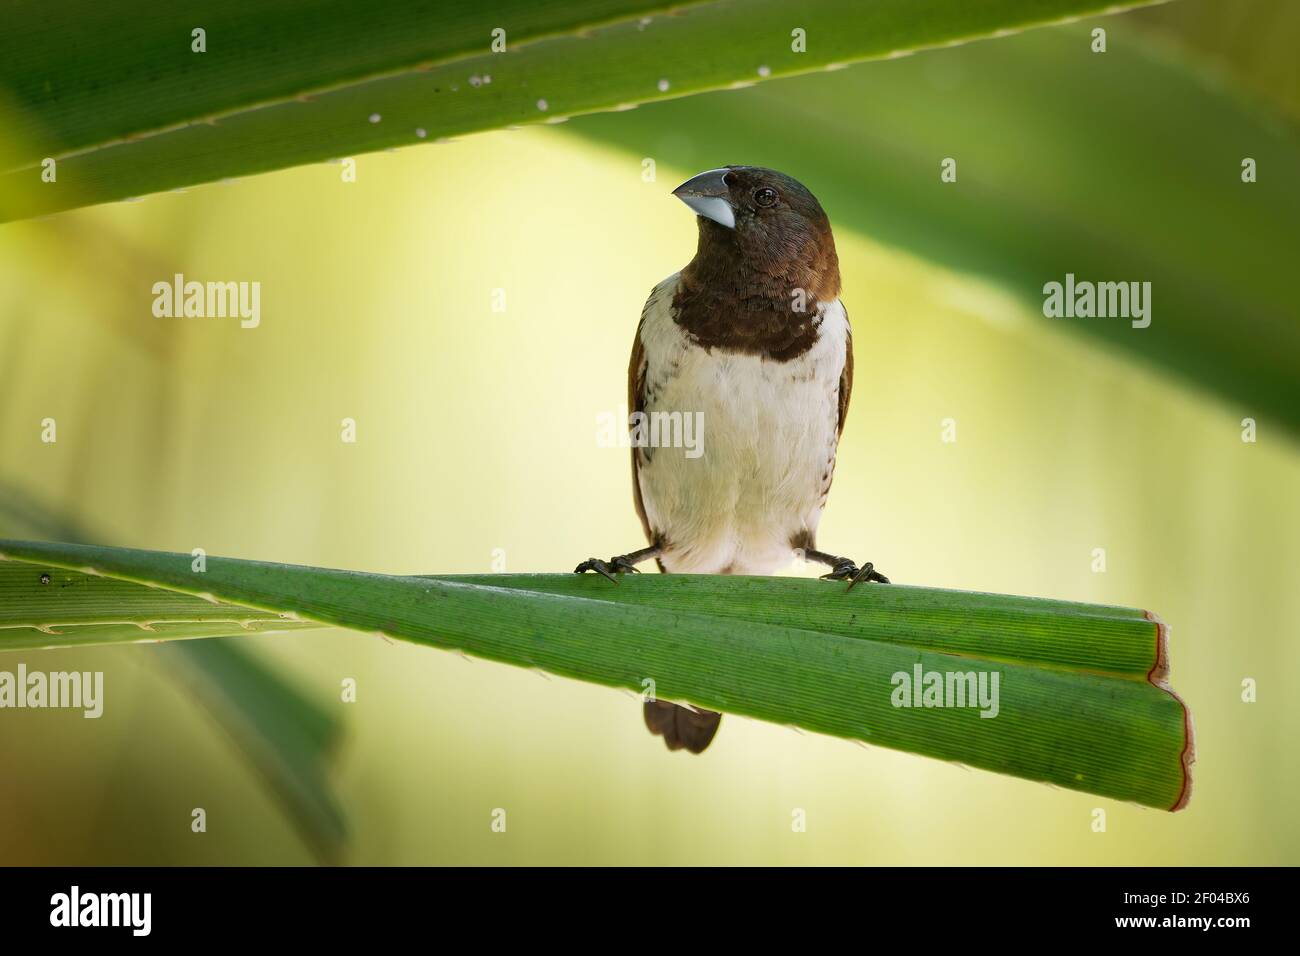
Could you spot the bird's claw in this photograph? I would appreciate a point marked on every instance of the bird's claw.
(846, 570)
(597, 565)
(610, 569)
(622, 564)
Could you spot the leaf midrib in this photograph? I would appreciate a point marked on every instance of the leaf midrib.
(288, 87)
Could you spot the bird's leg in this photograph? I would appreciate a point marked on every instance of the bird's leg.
(619, 563)
(845, 569)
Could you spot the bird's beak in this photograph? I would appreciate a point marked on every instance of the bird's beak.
(707, 195)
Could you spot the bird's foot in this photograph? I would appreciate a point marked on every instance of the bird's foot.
(846, 570)
(620, 564)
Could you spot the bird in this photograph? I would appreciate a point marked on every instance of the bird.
(752, 340)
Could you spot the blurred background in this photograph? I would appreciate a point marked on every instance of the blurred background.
(477, 450)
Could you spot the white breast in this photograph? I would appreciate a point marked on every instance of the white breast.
(769, 431)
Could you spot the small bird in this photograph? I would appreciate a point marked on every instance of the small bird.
(752, 339)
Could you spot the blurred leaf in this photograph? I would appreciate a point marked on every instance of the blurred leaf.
(1122, 166)
(1083, 701)
(286, 736)
(21, 513)
(699, 47)
(1253, 41)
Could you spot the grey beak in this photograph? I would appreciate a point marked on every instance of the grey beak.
(708, 195)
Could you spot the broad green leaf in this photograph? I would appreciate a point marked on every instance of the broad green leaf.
(798, 652)
(1123, 166)
(79, 73)
(1095, 637)
(265, 127)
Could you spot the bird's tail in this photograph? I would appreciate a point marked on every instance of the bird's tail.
(681, 727)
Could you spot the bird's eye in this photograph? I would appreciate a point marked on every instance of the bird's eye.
(765, 196)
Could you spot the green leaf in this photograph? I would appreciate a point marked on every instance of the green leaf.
(269, 122)
(1116, 167)
(286, 736)
(1083, 699)
(1066, 634)
(82, 74)
(1252, 41)
(71, 608)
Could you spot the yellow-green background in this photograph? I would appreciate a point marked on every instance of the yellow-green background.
(477, 431)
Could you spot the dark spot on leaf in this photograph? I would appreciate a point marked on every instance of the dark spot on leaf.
(45, 579)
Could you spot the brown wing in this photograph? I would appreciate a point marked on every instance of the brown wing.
(846, 376)
(636, 403)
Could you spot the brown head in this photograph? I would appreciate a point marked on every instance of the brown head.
(766, 256)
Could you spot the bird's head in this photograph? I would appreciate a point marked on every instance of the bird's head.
(758, 221)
